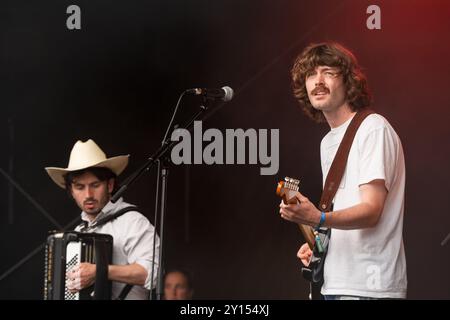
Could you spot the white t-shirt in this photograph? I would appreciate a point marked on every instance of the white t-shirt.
(367, 262)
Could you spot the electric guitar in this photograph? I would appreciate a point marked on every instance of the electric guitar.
(317, 239)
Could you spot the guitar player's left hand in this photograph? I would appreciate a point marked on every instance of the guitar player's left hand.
(303, 212)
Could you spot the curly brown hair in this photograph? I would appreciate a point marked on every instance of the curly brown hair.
(330, 54)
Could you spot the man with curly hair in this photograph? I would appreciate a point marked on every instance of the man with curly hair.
(366, 257)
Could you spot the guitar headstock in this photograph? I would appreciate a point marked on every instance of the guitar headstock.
(288, 190)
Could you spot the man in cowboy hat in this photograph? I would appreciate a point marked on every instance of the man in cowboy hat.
(89, 179)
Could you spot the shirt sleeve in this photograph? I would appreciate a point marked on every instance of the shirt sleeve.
(139, 246)
(377, 156)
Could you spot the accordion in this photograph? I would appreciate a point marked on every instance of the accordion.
(65, 250)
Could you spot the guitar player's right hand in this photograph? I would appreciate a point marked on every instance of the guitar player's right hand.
(304, 254)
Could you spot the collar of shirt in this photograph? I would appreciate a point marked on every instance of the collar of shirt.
(107, 210)
(342, 127)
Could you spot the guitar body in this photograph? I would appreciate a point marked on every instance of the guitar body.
(315, 291)
(288, 191)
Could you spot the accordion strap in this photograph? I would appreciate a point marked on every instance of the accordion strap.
(123, 294)
(104, 220)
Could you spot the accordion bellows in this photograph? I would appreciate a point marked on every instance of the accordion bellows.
(63, 251)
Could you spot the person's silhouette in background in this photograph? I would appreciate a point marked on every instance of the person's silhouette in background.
(178, 285)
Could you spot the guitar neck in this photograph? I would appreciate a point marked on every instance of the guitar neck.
(290, 196)
(307, 231)
(308, 234)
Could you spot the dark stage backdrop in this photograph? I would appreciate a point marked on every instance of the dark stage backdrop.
(118, 78)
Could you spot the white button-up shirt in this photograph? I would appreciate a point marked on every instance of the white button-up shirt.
(132, 236)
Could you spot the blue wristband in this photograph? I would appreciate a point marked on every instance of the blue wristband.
(322, 220)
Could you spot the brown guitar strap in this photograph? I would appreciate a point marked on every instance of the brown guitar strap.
(337, 169)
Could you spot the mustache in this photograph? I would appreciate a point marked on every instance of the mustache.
(320, 88)
(89, 200)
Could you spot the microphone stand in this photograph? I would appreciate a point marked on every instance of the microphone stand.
(161, 157)
(164, 173)
(444, 242)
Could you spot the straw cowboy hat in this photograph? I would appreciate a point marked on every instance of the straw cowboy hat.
(85, 155)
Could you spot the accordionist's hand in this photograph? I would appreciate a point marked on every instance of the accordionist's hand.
(81, 276)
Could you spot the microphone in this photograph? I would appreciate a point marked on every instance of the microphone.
(225, 93)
